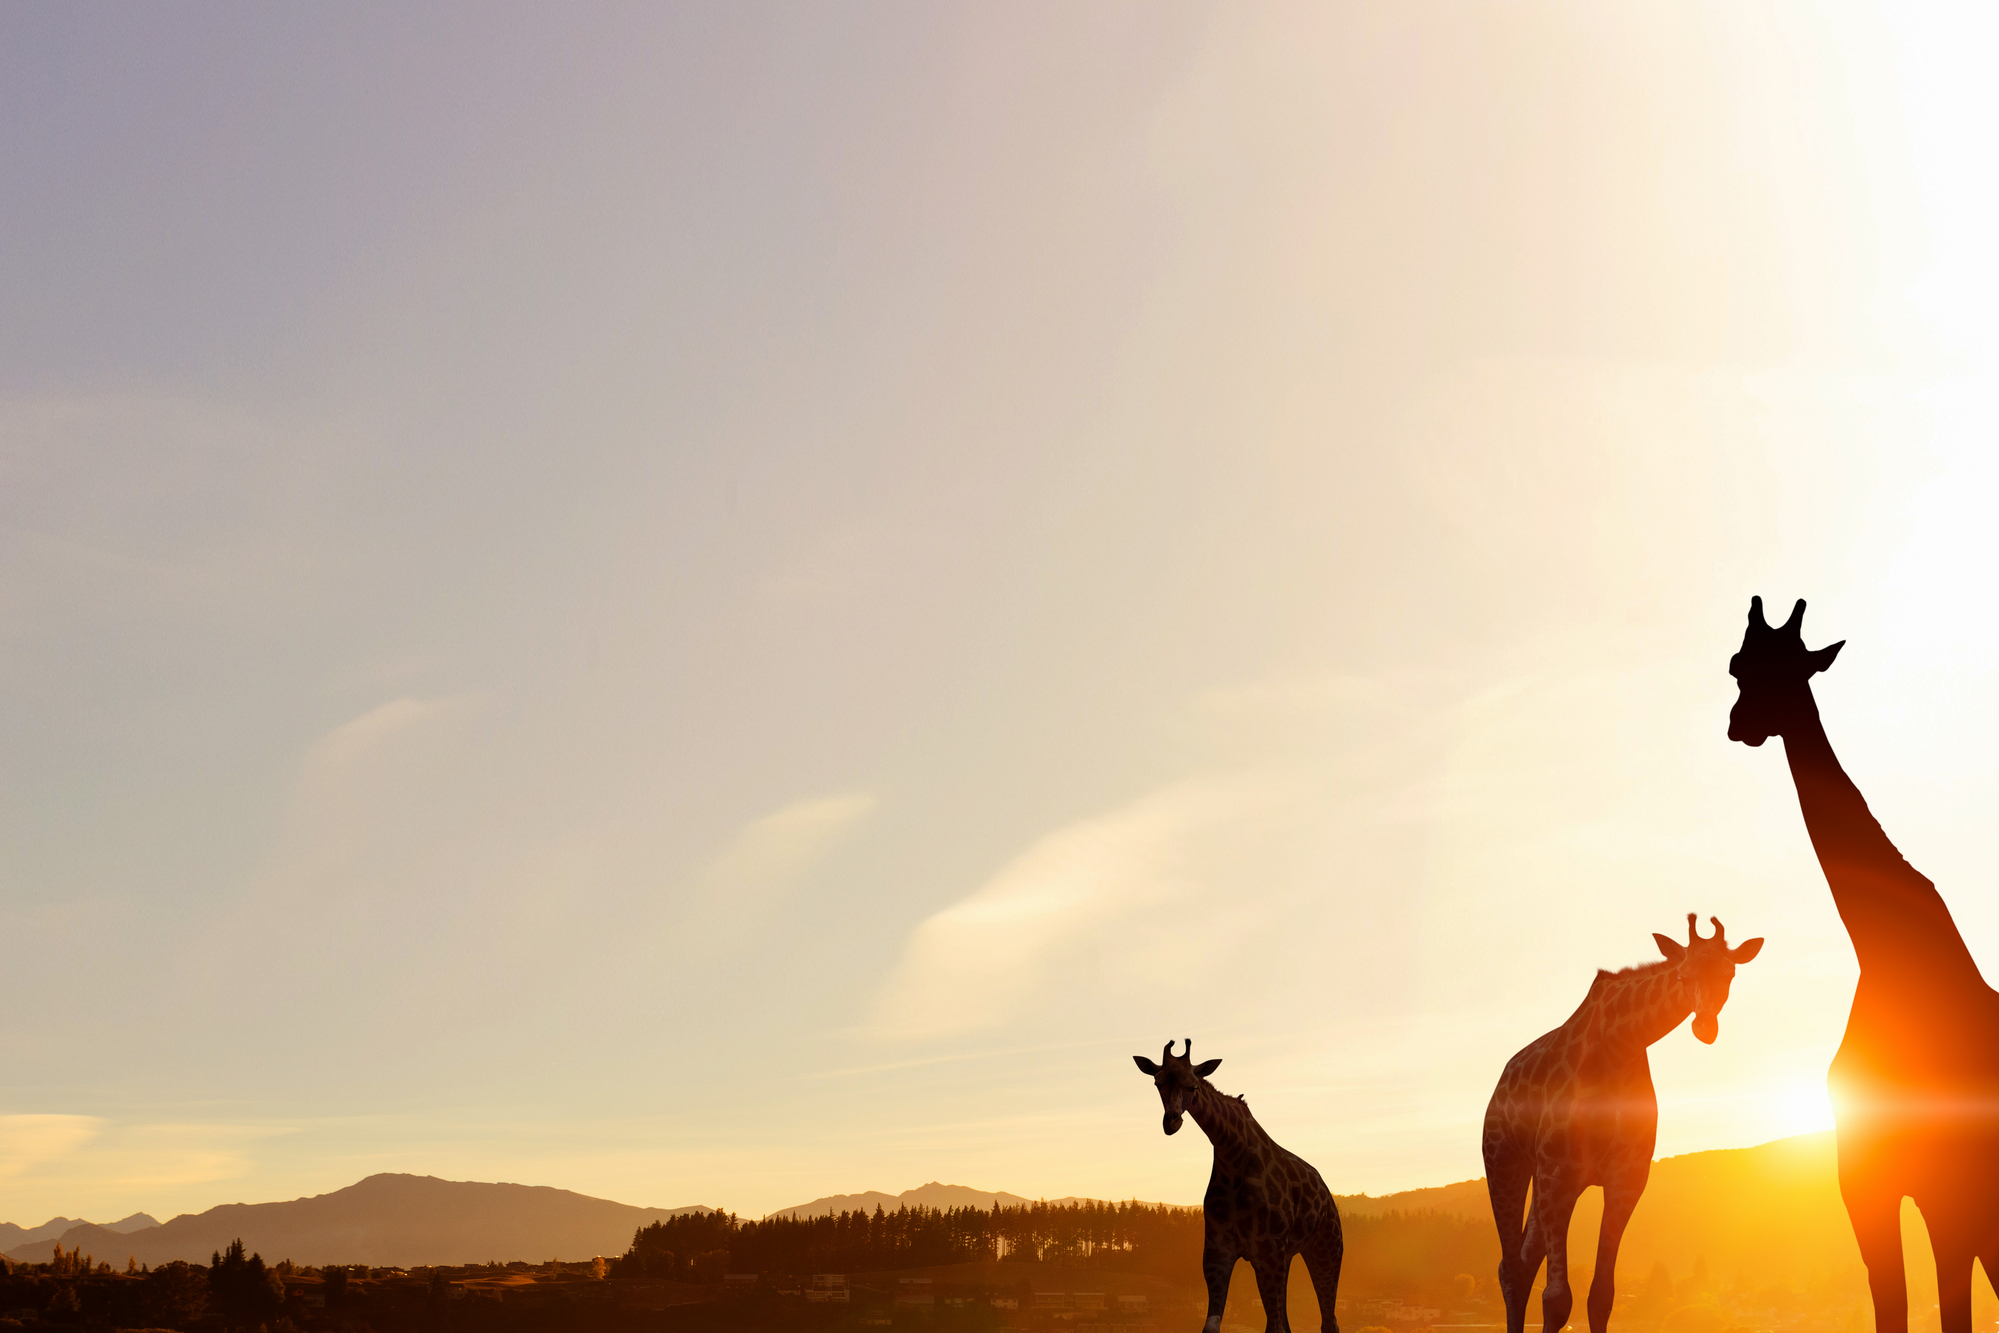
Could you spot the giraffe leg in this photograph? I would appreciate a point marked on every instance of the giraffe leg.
(1876, 1216)
(1324, 1253)
(1273, 1277)
(1988, 1255)
(1618, 1201)
(1953, 1245)
(1217, 1263)
(1549, 1223)
(1506, 1182)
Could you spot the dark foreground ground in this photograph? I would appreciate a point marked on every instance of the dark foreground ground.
(985, 1297)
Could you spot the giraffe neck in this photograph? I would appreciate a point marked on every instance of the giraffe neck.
(1898, 922)
(1239, 1141)
(1631, 1010)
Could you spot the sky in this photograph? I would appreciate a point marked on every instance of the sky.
(718, 604)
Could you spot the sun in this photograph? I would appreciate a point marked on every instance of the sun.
(1804, 1106)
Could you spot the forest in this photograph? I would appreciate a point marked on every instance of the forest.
(700, 1246)
(1411, 1255)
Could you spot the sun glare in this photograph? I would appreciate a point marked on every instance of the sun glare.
(1804, 1107)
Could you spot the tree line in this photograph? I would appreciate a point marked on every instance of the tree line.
(236, 1290)
(701, 1246)
(1417, 1253)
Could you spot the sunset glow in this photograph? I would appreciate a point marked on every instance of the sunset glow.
(711, 607)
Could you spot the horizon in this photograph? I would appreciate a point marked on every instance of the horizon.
(826, 1198)
(686, 602)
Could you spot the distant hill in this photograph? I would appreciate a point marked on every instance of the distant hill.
(1771, 1212)
(1467, 1198)
(933, 1195)
(136, 1222)
(385, 1219)
(12, 1235)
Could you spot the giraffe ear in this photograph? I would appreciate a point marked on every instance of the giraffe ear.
(1746, 950)
(1822, 658)
(1207, 1067)
(1672, 948)
(1145, 1066)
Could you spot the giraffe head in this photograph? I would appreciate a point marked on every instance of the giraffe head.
(1708, 965)
(1177, 1077)
(1773, 673)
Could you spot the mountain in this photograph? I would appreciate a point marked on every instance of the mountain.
(383, 1220)
(1768, 1214)
(933, 1195)
(1466, 1198)
(100, 1242)
(12, 1235)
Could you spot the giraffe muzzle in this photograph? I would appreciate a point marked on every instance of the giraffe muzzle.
(1171, 1122)
(1741, 730)
(1707, 1027)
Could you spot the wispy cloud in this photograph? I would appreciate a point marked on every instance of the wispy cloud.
(87, 1166)
(782, 844)
(358, 737)
(29, 1141)
(763, 863)
(971, 964)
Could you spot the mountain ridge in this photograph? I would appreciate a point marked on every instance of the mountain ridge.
(13, 1236)
(1772, 1211)
(383, 1219)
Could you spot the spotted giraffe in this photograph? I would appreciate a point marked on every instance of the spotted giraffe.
(1575, 1108)
(1263, 1204)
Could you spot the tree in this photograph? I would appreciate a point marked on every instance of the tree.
(335, 1279)
(176, 1294)
(65, 1305)
(244, 1292)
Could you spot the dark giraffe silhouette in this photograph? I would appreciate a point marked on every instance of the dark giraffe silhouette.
(1264, 1204)
(1915, 1083)
(1575, 1108)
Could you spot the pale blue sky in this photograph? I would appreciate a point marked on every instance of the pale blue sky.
(720, 605)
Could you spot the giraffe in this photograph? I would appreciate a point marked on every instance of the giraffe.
(1915, 1082)
(1575, 1108)
(1263, 1204)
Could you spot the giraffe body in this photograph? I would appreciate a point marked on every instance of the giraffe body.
(1576, 1108)
(1915, 1082)
(1264, 1203)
